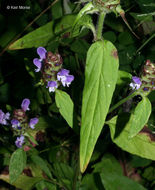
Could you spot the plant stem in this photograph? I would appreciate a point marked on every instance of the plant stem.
(100, 25)
(123, 101)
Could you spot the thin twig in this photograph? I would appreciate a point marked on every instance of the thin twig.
(28, 26)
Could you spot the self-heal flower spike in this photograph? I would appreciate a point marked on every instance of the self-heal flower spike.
(136, 84)
(4, 117)
(52, 85)
(19, 141)
(15, 124)
(38, 62)
(33, 122)
(25, 104)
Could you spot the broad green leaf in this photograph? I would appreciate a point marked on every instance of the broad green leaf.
(116, 181)
(36, 38)
(100, 80)
(42, 164)
(143, 144)
(65, 105)
(17, 164)
(140, 116)
(112, 175)
(23, 182)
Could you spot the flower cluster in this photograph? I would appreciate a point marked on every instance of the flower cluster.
(50, 66)
(19, 121)
(146, 83)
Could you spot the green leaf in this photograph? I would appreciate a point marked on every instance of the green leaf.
(17, 164)
(115, 181)
(23, 182)
(64, 173)
(45, 185)
(108, 163)
(84, 22)
(36, 38)
(142, 144)
(112, 175)
(100, 80)
(65, 105)
(140, 116)
(42, 164)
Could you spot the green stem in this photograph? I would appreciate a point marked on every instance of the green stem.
(122, 101)
(100, 25)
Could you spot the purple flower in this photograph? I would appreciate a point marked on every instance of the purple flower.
(4, 117)
(33, 122)
(64, 77)
(15, 124)
(136, 83)
(52, 85)
(38, 62)
(25, 104)
(19, 141)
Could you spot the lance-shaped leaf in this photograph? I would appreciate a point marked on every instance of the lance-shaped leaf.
(17, 164)
(143, 144)
(65, 105)
(100, 80)
(140, 116)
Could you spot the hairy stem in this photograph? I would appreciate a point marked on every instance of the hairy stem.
(100, 25)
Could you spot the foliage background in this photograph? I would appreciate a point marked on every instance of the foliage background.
(59, 143)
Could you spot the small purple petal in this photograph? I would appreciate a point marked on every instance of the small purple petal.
(33, 122)
(52, 85)
(41, 52)
(61, 75)
(15, 123)
(68, 80)
(4, 117)
(38, 64)
(25, 104)
(136, 80)
(19, 141)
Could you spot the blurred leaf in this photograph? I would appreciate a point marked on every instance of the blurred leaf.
(149, 173)
(65, 105)
(65, 23)
(80, 46)
(64, 173)
(108, 164)
(23, 182)
(137, 161)
(115, 181)
(57, 10)
(17, 164)
(144, 141)
(143, 17)
(125, 38)
(45, 185)
(42, 164)
(110, 35)
(36, 38)
(4, 92)
(100, 80)
(140, 117)
(91, 182)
